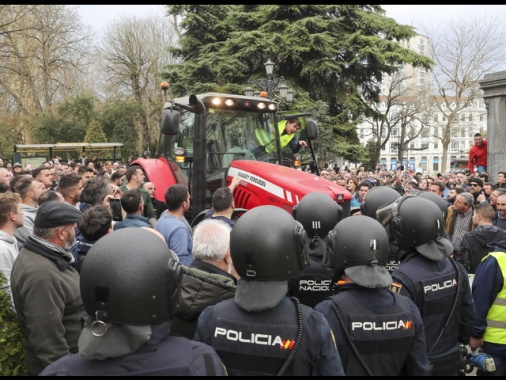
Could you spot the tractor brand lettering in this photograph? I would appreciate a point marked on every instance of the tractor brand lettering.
(257, 181)
(274, 190)
(380, 326)
(440, 286)
(260, 339)
(252, 179)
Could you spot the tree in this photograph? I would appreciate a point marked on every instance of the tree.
(68, 123)
(477, 48)
(331, 53)
(133, 57)
(117, 118)
(95, 134)
(402, 109)
(47, 48)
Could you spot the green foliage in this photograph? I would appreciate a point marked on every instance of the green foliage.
(7, 141)
(95, 134)
(335, 54)
(68, 124)
(12, 352)
(118, 122)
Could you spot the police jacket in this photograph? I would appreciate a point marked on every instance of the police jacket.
(386, 328)
(313, 284)
(161, 355)
(203, 284)
(259, 343)
(434, 286)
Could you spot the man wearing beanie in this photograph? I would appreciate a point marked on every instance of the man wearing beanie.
(45, 287)
(476, 189)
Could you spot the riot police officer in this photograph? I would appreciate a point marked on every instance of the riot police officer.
(437, 284)
(374, 199)
(262, 331)
(378, 332)
(130, 298)
(318, 214)
(441, 203)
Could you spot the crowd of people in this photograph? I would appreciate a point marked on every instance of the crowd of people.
(403, 286)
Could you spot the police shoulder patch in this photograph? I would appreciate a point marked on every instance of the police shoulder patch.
(395, 287)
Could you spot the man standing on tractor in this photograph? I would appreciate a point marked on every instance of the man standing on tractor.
(266, 140)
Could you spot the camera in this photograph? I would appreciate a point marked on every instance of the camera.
(480, 360)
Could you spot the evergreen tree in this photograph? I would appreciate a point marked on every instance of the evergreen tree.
(337, 54)
(95, 134)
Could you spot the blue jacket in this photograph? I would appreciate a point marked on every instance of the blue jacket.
(132, 220)
(162, 355)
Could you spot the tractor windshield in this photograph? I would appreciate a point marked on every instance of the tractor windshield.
(230, 135)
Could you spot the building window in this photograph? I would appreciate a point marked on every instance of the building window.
(435, 164)
(470, 117)
(393, 163)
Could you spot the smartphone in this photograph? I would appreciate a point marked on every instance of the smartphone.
(117, 214)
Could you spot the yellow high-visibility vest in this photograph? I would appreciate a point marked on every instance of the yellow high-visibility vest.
(268, 139)
(496, 317)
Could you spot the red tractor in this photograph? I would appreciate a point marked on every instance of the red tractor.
(207, 139)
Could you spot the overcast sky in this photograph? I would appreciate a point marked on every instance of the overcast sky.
(417, 15)
(99, 16)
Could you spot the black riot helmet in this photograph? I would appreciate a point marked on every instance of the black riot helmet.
(361, 255)
(415, 221)
(437, 199)
(265, 244)
(130, 276)
(377, 197)
(318, 213)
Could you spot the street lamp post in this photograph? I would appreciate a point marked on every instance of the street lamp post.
(268, 86)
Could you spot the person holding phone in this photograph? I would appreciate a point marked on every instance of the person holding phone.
(133, 204)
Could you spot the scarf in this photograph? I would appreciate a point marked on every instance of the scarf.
(62, 258)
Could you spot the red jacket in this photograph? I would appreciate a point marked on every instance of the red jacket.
(477, 156)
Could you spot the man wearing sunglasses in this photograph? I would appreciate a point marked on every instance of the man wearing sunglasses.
(476, 189)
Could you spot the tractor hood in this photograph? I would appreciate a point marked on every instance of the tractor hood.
(264, 183)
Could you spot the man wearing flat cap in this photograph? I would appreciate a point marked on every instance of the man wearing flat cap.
(45, 287)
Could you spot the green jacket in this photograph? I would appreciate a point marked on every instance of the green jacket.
(49, 308)
(199, 289)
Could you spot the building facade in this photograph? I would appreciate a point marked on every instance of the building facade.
(424, 153)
